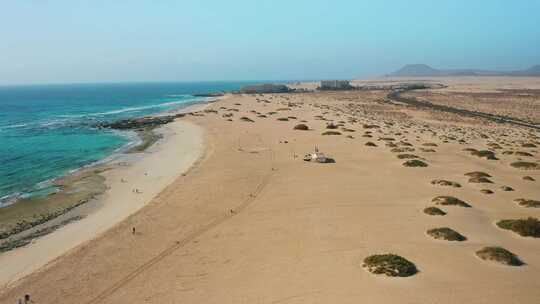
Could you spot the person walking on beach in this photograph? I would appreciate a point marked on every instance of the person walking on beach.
(27, 299)
(133, 230)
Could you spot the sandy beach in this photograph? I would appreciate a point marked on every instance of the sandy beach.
(149, 172)
(229, 212)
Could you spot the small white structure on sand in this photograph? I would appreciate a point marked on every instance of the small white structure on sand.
(318, 157)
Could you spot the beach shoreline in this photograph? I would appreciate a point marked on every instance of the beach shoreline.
(183, 138)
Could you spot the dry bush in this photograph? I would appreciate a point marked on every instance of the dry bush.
(415, 163)
(442, 182)
(499, 255)
(446, 234)
(434, 211)
(445, 200)
(301, 127)
(524, 227)
(390, 264)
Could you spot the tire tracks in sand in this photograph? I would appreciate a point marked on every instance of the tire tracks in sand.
(192, 236)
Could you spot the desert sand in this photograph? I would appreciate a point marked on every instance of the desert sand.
(252, 222)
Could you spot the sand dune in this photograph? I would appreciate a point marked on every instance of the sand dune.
(252, 222)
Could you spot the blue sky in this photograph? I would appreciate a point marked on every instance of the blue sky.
(46, 41)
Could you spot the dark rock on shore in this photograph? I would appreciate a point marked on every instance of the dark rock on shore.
(218, 94)
(20, 242)
(265, 88)
(38, 220)
(140, 123)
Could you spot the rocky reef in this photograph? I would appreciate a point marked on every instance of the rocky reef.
(150, 122)
(216, 94)
(265, 88)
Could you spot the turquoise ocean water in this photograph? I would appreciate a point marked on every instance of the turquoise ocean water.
(47, 131)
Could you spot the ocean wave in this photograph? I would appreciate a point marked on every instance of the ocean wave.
(132, 109)
(66, 120)
(16, 126)
(9, 199)
(46, 185)
(53, 122)
(38, 124)
(178, 95)
(135, 109)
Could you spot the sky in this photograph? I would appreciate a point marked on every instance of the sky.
(70, 41)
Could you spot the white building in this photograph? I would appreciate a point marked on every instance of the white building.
(335, 85)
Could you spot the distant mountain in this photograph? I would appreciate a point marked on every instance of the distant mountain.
(532, 71)
(416, 70)
(423, 70)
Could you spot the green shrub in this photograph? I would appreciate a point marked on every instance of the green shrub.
(442, 182)
(485, 154)
(499, 255)
(301, 127)
(527, 203)
(407, 156)
(450, 201)
(390, 264)
(480, 180)
(524, 227)
(434, 211)
(446, 234)
(525, 165)
(477, 174)
(415, 163)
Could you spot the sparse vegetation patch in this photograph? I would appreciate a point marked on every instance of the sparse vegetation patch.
(527, 203)
(301, 127)
(331, 133)
(525, 165)
(402, 150)
(450, 201)
(506, 188)
(415, 163)
(407, 156)
(446, 234)
(480, 180)
(434, 211)
(485, 154)
(442, 182)
(246, 119)
(499, 255)
(521, 153)
(477, 174)
(389, 264)
(524, 227)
